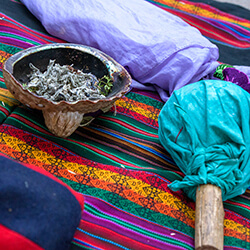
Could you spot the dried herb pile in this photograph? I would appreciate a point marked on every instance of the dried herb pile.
(59, 83)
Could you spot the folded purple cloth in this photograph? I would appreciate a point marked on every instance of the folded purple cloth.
(159, 50)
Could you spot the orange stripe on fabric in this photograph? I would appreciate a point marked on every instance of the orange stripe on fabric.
(4, 56)
(233, 233)
(223, 36)
(204, 11)
(143, 109)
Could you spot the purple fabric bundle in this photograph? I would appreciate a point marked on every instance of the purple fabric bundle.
(159, 50)
(237, 77)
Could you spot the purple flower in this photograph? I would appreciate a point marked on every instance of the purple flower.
(235, 76)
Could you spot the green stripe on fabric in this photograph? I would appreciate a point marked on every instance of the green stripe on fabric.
(116, 126)
(234, 242)
(145, 100)
(240, 200)
(237, 209)
(131, 207)
(76, 246)
(117, 153)
(97, 213)
(19, 38)
(2, 117)
(131, 121)
(10, 49)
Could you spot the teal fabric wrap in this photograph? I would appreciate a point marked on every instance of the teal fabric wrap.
(205, 126)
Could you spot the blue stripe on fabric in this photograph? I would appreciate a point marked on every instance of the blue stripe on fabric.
(137, 144)
(100, 238)
(86, 244)
(232, 29)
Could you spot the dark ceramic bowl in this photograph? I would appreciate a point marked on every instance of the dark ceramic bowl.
(63, 118)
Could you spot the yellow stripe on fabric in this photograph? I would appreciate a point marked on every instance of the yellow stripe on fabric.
(4, 56)
(7, 97)
(199, 11)
(138, 107)
(230, 224)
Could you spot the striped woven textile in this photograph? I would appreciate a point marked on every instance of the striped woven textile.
(230, 33)
(117, 162)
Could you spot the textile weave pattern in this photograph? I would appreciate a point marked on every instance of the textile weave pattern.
(117, 163)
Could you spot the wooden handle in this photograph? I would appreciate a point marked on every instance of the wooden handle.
(209, 218)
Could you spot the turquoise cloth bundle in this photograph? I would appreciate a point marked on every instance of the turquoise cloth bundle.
(205, 126)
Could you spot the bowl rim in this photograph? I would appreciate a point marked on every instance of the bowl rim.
(109, 62)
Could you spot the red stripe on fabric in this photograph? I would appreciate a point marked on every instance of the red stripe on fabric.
(11, 240)
(112, 157)
(106, 233)
(208, 30)
(126, 125)
(5, 111)
(138, 117)
(11, 29)
(238, 204)
(14, 22)
(30, 124)
(94, 242)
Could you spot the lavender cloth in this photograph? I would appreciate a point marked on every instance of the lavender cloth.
(159, 50)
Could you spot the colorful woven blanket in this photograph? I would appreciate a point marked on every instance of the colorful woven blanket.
(117, 163)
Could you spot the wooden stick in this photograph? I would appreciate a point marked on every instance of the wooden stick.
(209, 218)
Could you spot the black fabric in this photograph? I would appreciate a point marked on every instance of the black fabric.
(20, 13)
(232, 56)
